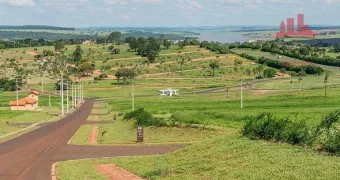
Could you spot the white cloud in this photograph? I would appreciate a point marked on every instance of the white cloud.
(247, 2)
(67, 5)
(19, 2)
(190, 5)
(125, 17)
(125, 2)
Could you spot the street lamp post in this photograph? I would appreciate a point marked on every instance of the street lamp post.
(241, 92)
(62, 92)
(133, 96)
(16, 84)
(67, 98)
(72, 96)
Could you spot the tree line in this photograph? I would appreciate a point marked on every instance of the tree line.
(298, 51)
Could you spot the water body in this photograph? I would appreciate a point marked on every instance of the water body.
(223, 36)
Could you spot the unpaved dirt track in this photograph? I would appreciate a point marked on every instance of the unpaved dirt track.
(30, 156)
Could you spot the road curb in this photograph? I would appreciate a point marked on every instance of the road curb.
(54, 171)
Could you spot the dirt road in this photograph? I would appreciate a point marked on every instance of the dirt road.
(30, 156)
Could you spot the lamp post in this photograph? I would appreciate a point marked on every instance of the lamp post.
(42, 86)
(16, 84)
(79, 95)
(62, 92)
(241, 92)
(133, 95)
(72, 96)
(67, 98)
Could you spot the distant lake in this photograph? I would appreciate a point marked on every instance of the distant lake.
(222, 36)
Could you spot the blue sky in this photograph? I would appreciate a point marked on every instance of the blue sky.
(85, 13)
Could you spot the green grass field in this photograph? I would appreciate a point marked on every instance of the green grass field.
(219, 151)
(225, 157)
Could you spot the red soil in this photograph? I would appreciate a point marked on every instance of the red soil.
(116, 173)
(93, 137)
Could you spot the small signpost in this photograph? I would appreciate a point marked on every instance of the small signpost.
(140, 134)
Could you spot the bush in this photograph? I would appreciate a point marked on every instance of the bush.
(115, 51)
(97, 78)
(144, 118)
(7, 84)
(268, 127)
(332, 142)
(103, 76)
(269, 73)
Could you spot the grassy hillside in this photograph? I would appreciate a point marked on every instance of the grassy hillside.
(225, 157)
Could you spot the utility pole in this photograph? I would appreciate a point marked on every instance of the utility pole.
(241, 92)
(16, 84)
(79, 95)
(72, 96)
(42, 86)
(133, 96)
(67, 98)
(82, 92)
(62, 92)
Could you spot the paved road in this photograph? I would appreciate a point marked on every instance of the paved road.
(30, 156)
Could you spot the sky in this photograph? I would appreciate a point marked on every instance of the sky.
(165, 13)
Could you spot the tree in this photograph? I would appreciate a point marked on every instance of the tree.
(115, 51)
(86, 69)
(105, 67)
(181, 63)
(110, 48)
(133, 43)
(214, 65)
(248, 72)
(114, 37)
(125, 74)
(77, 54)
(60, 45)
(300, 79)
(167, 44)
(326, 82)
(223, 49)
(269, 73)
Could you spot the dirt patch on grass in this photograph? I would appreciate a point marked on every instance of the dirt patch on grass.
(261, 92)
(98, 73)
(93, 137)
(116, 173)
(31, 53)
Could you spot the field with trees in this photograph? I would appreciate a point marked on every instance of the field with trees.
(239, 106)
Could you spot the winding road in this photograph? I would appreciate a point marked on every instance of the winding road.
(31, 156)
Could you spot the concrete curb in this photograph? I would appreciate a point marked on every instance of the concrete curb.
(54, 171)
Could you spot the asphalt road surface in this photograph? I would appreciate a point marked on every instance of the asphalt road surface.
(31, 156)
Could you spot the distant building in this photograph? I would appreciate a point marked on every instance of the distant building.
(26, 104)
(169, 92)
(89, 42)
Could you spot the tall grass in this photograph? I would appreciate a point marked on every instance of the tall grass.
(268, 127)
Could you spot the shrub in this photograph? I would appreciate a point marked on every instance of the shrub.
(332, 142)
(97, 78)
(268, 127)
(269, 73)
(144, 118)
(103, 76)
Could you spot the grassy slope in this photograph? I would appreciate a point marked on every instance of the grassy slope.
(227, 157)
(124, 132)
